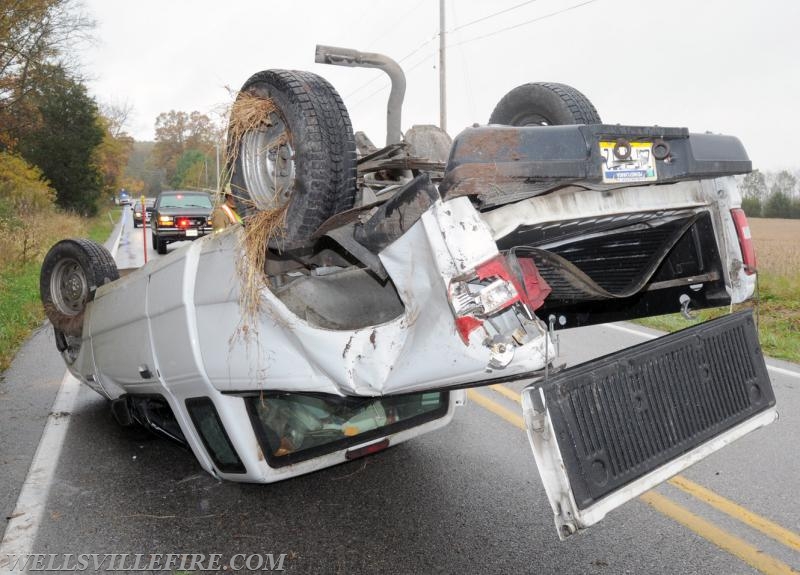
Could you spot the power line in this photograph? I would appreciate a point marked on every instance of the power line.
(403, 59)
(386, 85)
(396, 25)
(494, 33)
(465, 70)
(506, 29)
(457, 28)
(426, 42)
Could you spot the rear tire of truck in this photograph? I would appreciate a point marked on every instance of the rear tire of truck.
(544, 104)
(161, 246)
(302, 155)
(71, 273)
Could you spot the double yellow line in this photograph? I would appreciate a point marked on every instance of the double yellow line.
(702, 527)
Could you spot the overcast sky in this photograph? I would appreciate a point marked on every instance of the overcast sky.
(723, 66)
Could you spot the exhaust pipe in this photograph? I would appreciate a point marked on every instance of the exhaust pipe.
(355, 59)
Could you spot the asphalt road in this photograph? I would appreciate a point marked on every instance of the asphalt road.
(466, 499)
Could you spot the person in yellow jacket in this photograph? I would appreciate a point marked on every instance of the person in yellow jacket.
(224, 214)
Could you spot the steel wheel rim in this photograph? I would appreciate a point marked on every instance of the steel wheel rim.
(69, 287)
(268, 165)
(533, 120)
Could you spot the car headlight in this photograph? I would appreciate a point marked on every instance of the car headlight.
(165, 219)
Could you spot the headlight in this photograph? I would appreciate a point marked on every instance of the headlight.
(165, 219)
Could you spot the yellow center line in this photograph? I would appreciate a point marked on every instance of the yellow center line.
(765, 526)
(730, 543)
(510, 416)
(719, 537)
(769, 528)
(505, 391)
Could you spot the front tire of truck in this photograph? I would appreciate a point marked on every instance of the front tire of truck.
(161, 246)
(71, 273)
(544, 104)
(292, 145)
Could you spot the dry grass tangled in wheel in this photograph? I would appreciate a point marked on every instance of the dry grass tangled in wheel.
(251, 112)
(259, 230)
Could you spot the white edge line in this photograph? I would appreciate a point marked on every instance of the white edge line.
(783, 371)
(646, 335)
(24, 523)
(633, 331)
(22, 527)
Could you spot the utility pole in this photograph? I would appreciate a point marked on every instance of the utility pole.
(216, 145)
(442, 78)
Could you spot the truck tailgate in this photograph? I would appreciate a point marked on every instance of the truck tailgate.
(607, 430)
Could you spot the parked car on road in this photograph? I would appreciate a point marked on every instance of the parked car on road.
(178, 216)
(142, 216)
(400, 280)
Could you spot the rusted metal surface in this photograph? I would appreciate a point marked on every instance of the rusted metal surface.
(395, 157)
(488, 143)
(382, 153)
(401, 163)
(474, 168)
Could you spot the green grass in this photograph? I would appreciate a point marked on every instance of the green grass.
(20, 308)
(777, 314)
(101, 225)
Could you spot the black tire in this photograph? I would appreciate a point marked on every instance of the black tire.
(154, 238)
(161, 246)
(135, 225)
(71, 272)
(320, 178)
(544, 104)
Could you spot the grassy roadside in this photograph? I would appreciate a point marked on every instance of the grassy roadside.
(20, 309)
(777, 315)
(777, 245)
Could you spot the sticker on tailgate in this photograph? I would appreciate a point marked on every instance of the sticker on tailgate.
(628, 162)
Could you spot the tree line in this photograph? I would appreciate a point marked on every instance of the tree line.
(187, 154)
(770, 194)
(58, 146)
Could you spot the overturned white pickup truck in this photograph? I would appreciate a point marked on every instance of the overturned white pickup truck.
(420, 269)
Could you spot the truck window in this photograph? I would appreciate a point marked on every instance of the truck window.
(208, 424)
(293, 427)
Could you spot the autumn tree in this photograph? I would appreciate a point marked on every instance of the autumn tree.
(111, 155)
(190, 170)
(34, 35)
(184, 142)
(116, 116)
(23, 189)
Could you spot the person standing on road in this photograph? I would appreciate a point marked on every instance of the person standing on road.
(224, 214)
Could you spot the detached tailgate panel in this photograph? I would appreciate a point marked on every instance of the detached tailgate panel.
(624, 422)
